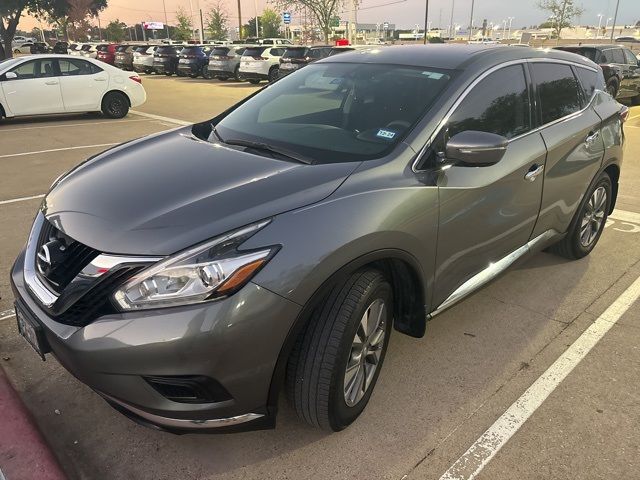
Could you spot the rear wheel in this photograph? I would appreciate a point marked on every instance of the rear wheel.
(254, 81)
(115, 105)
(589, 222)
(336, 361)
(273, 74)
(236, 73)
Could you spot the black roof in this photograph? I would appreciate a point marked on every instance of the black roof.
(450, 56)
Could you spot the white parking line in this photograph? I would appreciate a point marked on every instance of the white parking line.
(58, 150)
(471, 463)
(164, 119)
(22, 199)
(624, 216)
(7, 314)
(106, 122)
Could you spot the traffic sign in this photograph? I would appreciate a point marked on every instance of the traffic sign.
(385, 25)
(286, 18)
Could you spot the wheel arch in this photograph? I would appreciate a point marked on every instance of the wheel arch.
(115, 90)
(613, 170)
(405, 275)
(3, 113)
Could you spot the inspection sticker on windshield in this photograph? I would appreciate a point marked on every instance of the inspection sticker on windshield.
(385, 134)
(434, 75)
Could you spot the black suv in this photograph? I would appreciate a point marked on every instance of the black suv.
(194, 61)
(165, 59)
(297, 57)
(620, 66)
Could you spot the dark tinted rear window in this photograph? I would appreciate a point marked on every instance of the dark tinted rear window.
(102, 48)
(219, 51)
(166, 50)
(254, 51)
(122, 48)
(558, 90)
(618, 56)
(191, 51)
(590, 53)
(294, 53)
(590, 81)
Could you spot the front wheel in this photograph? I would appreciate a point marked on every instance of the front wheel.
(115, 105)
(336, 361)
(589, 222)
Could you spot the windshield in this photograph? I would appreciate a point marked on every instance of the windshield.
(337, 112)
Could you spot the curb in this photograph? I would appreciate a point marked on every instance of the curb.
(24, 453)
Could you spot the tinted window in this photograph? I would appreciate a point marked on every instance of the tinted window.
(254, 51)
(268, 42)
(34, 69)
(337, 112)
(498, 104)
(590, 53)
(240, 51)
(219, 51)
(590, 81)
(72, 67)
(277, 52)
(558, 89)
(630, 57)
(166, 50)
(294, 53)
(608, 56)
(190, 51)
(618, 56)
(122, 48)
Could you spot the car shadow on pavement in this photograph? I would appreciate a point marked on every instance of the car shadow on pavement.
(37, 119)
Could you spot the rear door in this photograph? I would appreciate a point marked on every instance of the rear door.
(35, 91)
(571, 130)
(83, 84)
(488, 212)
(632, 73)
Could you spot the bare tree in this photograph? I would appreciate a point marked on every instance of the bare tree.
(561, 12)
(323, 11)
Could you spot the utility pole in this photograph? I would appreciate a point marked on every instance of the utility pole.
(453, 4)
(471, 19)
(599, 25)
(239, 21)
(99, 29)
(201, 28)
(426, 21)
(166, 19)
(615, 17)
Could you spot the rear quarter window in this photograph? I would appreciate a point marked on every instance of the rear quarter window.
(558, 90)
(277, 52)
(590, 80)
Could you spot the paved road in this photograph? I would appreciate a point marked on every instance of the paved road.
(435, 397)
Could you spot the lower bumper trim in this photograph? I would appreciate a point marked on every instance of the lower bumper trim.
(185, 424)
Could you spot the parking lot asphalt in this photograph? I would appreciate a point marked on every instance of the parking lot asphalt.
(435, 397)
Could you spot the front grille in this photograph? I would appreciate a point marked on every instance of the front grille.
(189, 388)
(68, 257)
(96, 301)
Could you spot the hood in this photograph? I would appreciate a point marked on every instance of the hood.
(166, 192)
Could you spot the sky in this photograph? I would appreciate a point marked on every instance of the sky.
(404, 13)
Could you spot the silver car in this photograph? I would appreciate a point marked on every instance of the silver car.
(143, 60)
(224, 62)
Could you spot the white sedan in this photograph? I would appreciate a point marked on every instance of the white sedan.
(45, 84)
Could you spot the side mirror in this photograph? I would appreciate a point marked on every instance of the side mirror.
(10, 76)
(476, 148)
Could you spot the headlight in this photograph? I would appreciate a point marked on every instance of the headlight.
(210, 270)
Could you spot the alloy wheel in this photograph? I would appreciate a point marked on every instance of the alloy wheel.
(593, 217)
(365, 353)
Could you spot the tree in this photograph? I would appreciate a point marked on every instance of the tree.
(249, 28)
(561, 12)
(116, 31)
(323, 11)
(184, 29)
(71, 16)
(218, 21)
(270, 23)
(12, 10)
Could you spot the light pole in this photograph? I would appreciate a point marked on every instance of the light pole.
(166, 19)
(453, 4)
(239, 21)
(471, 19)
(615, 17)
(599, 24)
(606, 25)
(510, 20)
(255, 4)
(426, 21)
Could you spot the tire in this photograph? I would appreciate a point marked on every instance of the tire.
(612, 87)
(318, 364)
(573, 246)
(168, 74)
(115, 105)
(273, 74)
(254, 81)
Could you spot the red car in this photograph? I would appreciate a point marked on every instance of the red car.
(107, 52)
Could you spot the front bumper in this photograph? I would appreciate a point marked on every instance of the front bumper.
(235, 341)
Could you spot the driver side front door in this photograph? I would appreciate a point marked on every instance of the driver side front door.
(488, 212)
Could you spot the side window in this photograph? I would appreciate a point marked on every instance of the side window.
(558, 90)
(73, 67)
(34, 69)
(618, 56)
(608, 56)
(590, 81)
(630, 57)
(277, 52)
(267, 42)
(498, 104)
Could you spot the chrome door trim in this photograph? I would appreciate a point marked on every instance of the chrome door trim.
(492, 271)
(485, 74)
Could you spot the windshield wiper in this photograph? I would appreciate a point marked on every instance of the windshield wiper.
(265, 147)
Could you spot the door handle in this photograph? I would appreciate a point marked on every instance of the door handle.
(533, 172)
(51, 82)
(592, 137)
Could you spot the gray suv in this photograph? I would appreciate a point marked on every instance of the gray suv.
(190, 275)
